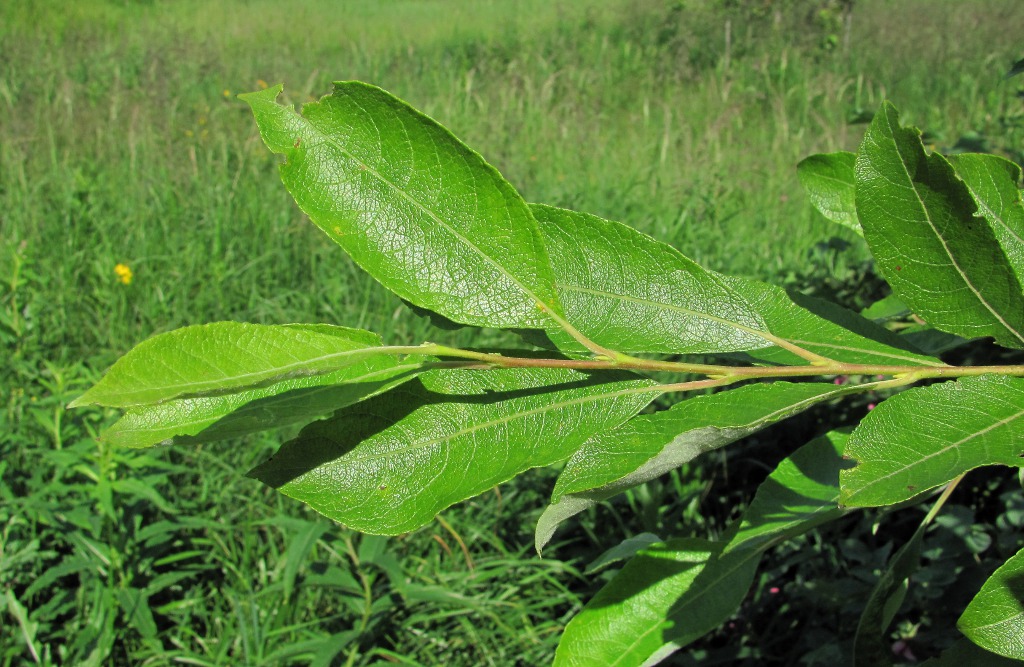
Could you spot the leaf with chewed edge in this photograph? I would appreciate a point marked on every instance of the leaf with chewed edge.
(926, 436)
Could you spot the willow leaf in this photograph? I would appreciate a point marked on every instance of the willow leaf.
(824, 328)
(389, 464)
(629, 292)
(927, 436)
(994, 619)
(829, 182)
(422, 213)
(919, 221)
(229, 357)
(992, 182)
(298, 400)
(650, 445)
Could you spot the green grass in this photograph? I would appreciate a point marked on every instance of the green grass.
(121, 142)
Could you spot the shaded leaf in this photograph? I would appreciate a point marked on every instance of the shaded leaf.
(994, 619)
(389, 464)
(622, 625)
(965, 654)
(824, 328)
(227, 357)
(421, 212)
(629, 292)
(650, 445)
(919, 221)
(298, 400)
(670, 595)
(802, 492)
(869, 647)
(828, 180)
(624, 550)
(1016, 69)
(992, 182)
(926, 436)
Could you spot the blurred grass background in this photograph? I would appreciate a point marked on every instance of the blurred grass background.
(121, 142)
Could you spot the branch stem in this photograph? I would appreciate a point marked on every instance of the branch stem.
(727, 374)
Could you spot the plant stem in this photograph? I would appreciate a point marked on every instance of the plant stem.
(714, 372)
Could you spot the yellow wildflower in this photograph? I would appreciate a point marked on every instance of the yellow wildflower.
(124, 273)
(227, 93)
(262, 84)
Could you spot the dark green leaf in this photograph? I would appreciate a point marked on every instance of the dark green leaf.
(228, 357)
(824, 328)
(926, 436)
(416, 208)
(652, 444)
(870, 648)
(965, 654)
(389, 464)
(294, 401)
(623, 624)
(802, 492)
(919, 221)
(1017, 68)
(993, 184)
(994, 619)
(828, 180)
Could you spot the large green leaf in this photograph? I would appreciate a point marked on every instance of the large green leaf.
(229, 357)
(670, 595)
(425, 215)
(829, 182)
(995, 617)
(298, 400)
(926, 436)
(919, 221)
(629, 292)
(634, 294)
(824, 328)
(801, 493)
(623, 624)
(389, 464)
(650, 445)
(992, 182)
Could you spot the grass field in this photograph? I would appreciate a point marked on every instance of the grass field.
(121, 142)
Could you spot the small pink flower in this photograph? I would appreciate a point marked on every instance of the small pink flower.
(871, 406)
(774, 590)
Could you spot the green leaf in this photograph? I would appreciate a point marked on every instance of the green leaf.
(824, 328)
(829, 182)
(994, 619)
(389, 464)
(668, 596)
(992, 182)
(298, 400)
(1016, 69)
(228, 357)
(869, 646)
(927, 436)
(802, 492)
(965, 654)
(626, 291)
(622, 625)
(919, 221)
(650, 445)
(422, 213)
